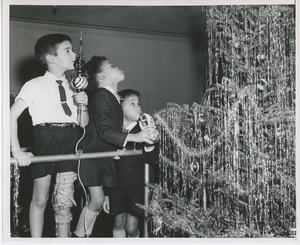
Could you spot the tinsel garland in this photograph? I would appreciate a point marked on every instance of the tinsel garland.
(228, 164)
(15, 181)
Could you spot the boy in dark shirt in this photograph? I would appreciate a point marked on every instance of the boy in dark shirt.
(103, 133)
(130, 178)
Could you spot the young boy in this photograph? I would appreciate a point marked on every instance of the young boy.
(103, 133)
(130, 179)
(52, 105)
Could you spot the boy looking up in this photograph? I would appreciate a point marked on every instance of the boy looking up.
(104, 133)
(52, 105)
(130, 177)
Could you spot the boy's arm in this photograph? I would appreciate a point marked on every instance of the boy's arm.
(103, 123)
(143, 136)
(149, 135)
(22, 157)
(151, 156)
(100, 108)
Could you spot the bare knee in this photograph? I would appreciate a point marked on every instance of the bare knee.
(132, 227)
(96, 198)
(96, 204)
(40, 193)
(119, 222)
(131, 230)
(39, 201)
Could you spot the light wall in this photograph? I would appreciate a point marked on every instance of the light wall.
(162, 68)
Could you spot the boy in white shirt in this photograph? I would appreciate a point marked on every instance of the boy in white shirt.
(52, 105)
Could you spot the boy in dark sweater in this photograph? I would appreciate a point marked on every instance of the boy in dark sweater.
(130, 178)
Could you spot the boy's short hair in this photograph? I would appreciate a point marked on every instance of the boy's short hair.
(48, 45)
(128, 92)
(93, 67)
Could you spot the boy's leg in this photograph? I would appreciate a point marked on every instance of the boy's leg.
(65, 218)
(89, 214)
(132, 223)
(38, 204)
(119, 225)
(86, 222)
(63, 201)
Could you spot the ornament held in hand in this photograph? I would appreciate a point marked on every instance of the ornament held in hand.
(80, 83)
(147, 121)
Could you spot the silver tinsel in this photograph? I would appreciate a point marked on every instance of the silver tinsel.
(242, 135)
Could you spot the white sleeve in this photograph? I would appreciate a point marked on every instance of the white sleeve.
(149, 148)
(28, 93)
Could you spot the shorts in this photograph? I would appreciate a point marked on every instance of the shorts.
(125, 200)
(97, 172)
(54, 141)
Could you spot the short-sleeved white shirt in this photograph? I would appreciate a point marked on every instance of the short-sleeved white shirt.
(42, 98)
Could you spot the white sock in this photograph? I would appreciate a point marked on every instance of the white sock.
(86, 221)
(120, 233)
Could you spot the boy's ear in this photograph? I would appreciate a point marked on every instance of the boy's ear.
(50, 59)
(101, 76)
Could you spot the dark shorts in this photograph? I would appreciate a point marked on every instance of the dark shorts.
(54, 141)
(124, 200)
(97, 172)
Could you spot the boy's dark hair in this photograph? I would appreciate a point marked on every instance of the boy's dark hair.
(128, 92)
(93, 67)
(48, 45)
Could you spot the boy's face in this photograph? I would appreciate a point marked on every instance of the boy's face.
(131, 108)
(65, 56)
(112, 72)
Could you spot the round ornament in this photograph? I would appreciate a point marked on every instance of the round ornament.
(195, 166)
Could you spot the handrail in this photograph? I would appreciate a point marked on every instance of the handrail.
(64, 157)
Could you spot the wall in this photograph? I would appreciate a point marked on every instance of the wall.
(162, 68)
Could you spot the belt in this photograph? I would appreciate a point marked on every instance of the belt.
(61, 125)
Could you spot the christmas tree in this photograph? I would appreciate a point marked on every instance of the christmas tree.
(227, 165)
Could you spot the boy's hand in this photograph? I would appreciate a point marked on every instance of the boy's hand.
(106, 205)
(22, 157)
(155, 136)
(147, 121)
(81, 98)
(147, 135)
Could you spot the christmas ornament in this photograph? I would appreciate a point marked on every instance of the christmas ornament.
(194, 166)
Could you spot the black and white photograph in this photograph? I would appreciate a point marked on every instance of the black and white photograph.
(149, 122)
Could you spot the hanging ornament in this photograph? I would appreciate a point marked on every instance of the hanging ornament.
(79, 77)
(195, 166)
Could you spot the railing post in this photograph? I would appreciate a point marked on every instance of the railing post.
(146, 200)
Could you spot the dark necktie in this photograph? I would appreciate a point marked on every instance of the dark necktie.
(63, 98)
